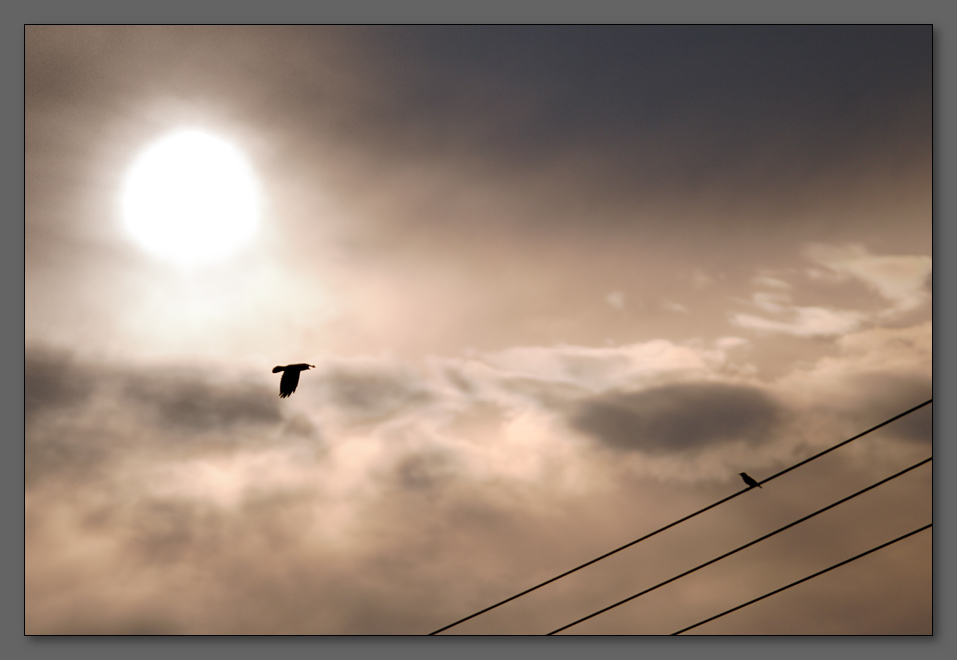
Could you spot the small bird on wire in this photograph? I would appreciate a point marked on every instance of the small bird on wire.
(290, 377)
(749, 480)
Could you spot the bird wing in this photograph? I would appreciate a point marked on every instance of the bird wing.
(288, 382)
(290, 377)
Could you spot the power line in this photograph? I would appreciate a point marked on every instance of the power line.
(805, 579)
(841, 444)
(676, 522)
(740, 548)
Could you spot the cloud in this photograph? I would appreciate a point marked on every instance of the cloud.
(480, 464)
(875, 373)
(804, 321)
(727, 343)
(616, 299)
(425, 470)
(477, 415)
(675, 307)
(900, 279)
(66, 450)
(60, 435)
(770, 282)
(597, 369)
(184, 397)
(84, 415)
(53, 380)
(365, 391)
(192, 400)
(797, 320)
(679, 417)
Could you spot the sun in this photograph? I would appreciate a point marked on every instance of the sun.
(191, 197)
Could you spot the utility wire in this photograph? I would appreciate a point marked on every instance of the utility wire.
(677, 522)
(746, 545)
(841, 444)
(788, 586)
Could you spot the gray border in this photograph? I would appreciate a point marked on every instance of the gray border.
(435, 11)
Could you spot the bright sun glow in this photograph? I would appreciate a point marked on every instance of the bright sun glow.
(191, 197)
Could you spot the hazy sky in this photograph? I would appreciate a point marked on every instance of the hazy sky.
(560, 285)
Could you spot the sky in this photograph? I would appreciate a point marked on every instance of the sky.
(560, 285)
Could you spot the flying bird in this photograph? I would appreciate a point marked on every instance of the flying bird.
(290, 377)
(744, 475)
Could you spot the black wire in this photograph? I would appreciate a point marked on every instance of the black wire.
(746, 545)
(805, 579)
(841, 444)
(676, 522)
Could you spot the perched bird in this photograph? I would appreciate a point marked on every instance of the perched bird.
(744, 475)
(290, 377)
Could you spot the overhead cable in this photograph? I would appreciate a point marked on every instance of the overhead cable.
(742, 547)
(676, 522)
(805, 579)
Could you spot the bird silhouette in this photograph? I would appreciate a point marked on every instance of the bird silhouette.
(749, 480)
(290, 377)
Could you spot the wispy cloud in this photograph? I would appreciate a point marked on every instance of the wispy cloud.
(672, 306)
(796, 320)
(770, 282)
(902, 280)
(804, 321)
(616, 299)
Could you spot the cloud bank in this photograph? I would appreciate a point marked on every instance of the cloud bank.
(385, 478)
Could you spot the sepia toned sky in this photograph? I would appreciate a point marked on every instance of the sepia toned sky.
(559, 284)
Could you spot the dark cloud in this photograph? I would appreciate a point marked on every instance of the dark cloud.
(56, 384)
(458, 379)
(300, 426)
(165, 530)
(370, 394)
(675, 418)
(425, 470)
(53, 380)
(81, 414)
(64, 449)
(193, 401)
